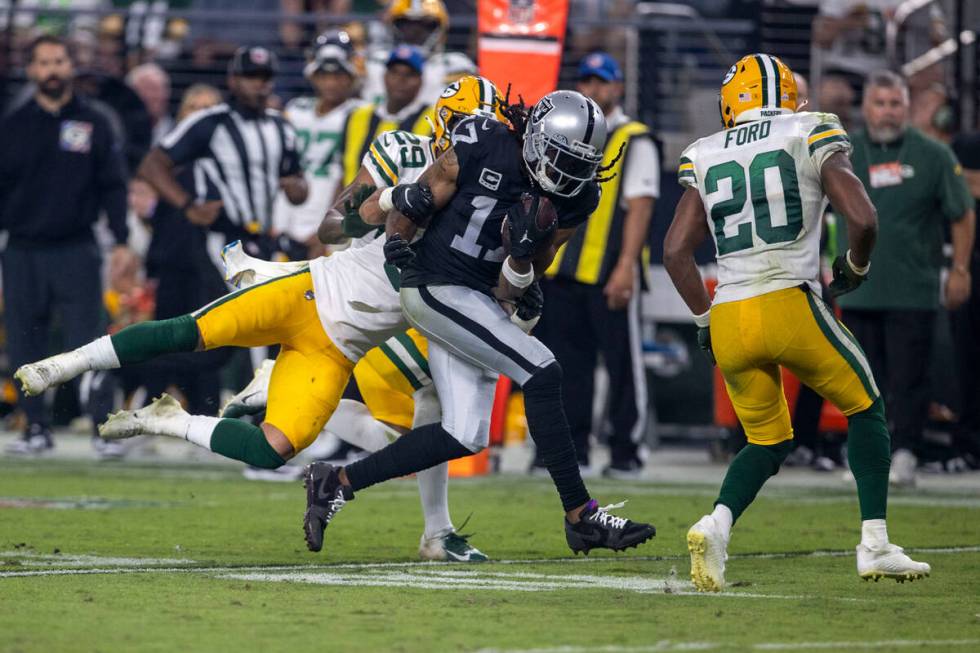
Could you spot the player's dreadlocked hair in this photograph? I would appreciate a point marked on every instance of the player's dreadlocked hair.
(601, 169)
(516, 114)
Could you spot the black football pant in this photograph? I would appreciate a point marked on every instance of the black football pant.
(577, 326)
(45, 286)
(898, 344)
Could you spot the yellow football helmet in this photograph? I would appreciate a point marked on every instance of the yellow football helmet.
(401, 12)
(467, 96)
(758, 86)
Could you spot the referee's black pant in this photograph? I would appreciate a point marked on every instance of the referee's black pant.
(577, 325)
(42, 284)
(898, 344)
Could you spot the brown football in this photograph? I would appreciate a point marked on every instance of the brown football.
(545, 218)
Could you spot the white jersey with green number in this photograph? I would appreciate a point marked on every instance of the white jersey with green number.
(318, 139)
(356, 293)
(760, 184)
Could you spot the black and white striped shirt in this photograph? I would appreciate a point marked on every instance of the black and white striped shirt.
(243, 154)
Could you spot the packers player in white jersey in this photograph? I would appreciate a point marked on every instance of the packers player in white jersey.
(319, 123)
(327, 316)
(760, 187)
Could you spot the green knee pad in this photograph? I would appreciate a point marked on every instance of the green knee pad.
(146, 340)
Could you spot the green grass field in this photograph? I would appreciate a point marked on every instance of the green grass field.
(165, 558)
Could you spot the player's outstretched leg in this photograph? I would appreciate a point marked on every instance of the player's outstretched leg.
(134, 344)
(230, 438)
(707, 540)
(869, 457)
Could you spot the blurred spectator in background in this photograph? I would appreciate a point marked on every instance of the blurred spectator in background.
(246, 151)
(296, 33)
(60, 164)
(152, 85)
(402, 108)
(916, 185)
(837, 96)
(423, 24)
(966, 320)
(592, 290)
(851, 35)
(319, 122)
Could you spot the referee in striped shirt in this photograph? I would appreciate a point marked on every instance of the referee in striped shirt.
(248, 152)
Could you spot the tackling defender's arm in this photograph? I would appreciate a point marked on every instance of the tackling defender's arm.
(331, 229)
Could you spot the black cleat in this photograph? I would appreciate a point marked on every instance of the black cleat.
(597, 529)
(325, 496)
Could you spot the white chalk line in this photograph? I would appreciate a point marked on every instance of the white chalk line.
(111, 565)
(667, 645)
(447, 579)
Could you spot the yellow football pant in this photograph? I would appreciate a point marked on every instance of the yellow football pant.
(389, 375)
(753, 337)
(310, 373)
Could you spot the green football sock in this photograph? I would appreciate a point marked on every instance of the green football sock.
(146, 340)
(749, 471)
(246, 442)
(869, 456)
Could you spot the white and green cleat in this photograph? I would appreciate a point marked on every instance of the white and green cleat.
(37, 377)
(164, 416)
(888, 561)
(708, 547)
(451, 547)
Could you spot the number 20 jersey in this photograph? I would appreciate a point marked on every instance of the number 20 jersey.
(462, 245)
(761, 189)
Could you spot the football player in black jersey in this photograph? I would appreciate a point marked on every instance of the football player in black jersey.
(456, 282)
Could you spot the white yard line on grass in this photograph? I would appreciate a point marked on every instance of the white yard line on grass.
(667, 645)
(91, 564)
(449, 579)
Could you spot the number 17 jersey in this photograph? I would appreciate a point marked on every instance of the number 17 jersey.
(764, 200)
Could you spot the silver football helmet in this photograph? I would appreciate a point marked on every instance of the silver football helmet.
(563, 142)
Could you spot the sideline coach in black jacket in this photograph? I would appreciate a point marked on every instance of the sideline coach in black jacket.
(60, 163)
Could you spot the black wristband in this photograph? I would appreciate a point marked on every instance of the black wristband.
(187, 204)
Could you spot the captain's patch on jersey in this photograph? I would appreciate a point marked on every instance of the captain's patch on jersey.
(490, 178)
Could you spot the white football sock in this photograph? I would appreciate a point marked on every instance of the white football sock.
(434, 492)
(722, 515)
(874, 533)
(199, 429)
(99, 355)
(353, 423)
(433, 482)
